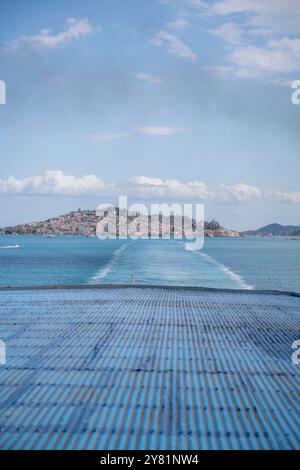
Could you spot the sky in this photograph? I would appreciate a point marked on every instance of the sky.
(161, 100)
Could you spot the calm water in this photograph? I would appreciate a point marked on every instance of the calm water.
(269, 263)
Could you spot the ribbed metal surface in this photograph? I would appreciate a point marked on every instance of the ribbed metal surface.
(149, 368)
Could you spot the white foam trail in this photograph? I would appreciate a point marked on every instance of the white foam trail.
(239, 280)
(8, 247)
(109, 267)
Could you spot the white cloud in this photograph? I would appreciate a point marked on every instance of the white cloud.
(285, 197)
(264, 16)
(157, 189)
(246, 23)
(156, 79)
(238, 193)
(158, 130)
(281, 82)
(250, 21)
(261, 16)
(218, 70)
(198, 4)
(147, 130)
(290, 46)
(108, 137)
(73, 29)
(226, 7)
(180, 23)
(52, 182)
(173, 45)
(229, 32)
(277, 57)
(142, 188)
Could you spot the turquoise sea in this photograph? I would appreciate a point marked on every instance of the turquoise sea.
(262, 263)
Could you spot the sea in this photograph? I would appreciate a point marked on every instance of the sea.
(271, 263)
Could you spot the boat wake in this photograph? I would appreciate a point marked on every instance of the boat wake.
(237, 278)
(100, 275)
(9, 247)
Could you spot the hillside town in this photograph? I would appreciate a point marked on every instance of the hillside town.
(118, 223)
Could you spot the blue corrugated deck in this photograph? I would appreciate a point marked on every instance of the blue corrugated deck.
(149, 368)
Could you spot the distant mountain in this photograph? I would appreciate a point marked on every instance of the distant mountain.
(275, 229)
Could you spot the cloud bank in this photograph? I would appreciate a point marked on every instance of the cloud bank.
(55, 182)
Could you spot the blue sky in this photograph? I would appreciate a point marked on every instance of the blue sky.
(162, 100)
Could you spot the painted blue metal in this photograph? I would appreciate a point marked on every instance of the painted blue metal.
(149, 368)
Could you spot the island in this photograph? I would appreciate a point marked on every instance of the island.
(84, 222)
